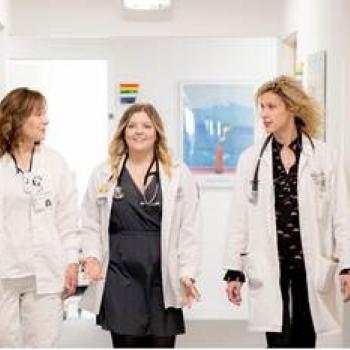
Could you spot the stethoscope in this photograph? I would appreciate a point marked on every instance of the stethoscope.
(255, 181)
(31, 182)
(118, 193)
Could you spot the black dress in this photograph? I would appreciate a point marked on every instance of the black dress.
(132, 302)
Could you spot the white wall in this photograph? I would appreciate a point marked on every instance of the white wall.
(4, 13)
(96, 18)
(292, 16)
(4, 23)
(325, 26)
(159, 65)
(3, 51)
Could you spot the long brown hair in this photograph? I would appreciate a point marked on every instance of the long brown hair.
(118, 147)
(306, 110)
(15, 108)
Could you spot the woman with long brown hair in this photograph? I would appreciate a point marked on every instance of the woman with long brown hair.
(140, 236)
(38, 226)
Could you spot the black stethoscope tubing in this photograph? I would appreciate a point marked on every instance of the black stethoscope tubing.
(255, 181)
(18, 169)
(149, 173)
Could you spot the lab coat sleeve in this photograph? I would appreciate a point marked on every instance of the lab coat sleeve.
(90, 221)
(340, 206)
(190, 231)
(237, 230)
(67, 215)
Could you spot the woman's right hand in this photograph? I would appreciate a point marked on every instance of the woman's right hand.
(92, 269)
(189, 291)
(233, 291)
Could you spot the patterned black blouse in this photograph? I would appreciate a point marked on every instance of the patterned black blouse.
(287, 213)
(286, 207)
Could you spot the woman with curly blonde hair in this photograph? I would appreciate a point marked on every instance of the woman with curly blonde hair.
(290, 229)
(140, 235)
(306, 110)
(39, 241)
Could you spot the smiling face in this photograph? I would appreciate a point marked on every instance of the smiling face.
(275, 116)
(34, 126)
(140, 133)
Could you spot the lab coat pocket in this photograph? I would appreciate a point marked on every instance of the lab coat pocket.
(325, 274)
(254, 271)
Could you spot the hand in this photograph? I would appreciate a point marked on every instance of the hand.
(345, 286)
(233, 291)
(190, 292)
(92, 269)
(70, 280)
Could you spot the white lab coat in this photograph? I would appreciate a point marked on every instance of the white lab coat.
(54, 230)
(324, 214)
(180, 234)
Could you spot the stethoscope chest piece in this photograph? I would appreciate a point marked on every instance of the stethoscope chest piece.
(253, 198)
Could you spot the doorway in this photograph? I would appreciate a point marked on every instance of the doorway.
(76, 92)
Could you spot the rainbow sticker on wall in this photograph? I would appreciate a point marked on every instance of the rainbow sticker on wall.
(128, 92)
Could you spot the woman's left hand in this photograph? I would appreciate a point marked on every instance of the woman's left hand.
(345, 286)
(189, 291)
(70, 280)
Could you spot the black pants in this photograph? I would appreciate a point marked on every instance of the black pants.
(131, 341)
(298, 329)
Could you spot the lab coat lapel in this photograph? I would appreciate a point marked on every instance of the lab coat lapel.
(107, 205)
(266, 173)
(110, 185)
(267, 190)
(305, 155)
(169, 189)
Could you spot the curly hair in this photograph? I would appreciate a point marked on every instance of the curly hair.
(306, 110)
(118, 147)
(15, 108)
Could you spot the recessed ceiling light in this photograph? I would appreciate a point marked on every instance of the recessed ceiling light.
(144, 5)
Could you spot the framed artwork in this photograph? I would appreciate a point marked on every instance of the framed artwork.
(217, 124)
(316, 84)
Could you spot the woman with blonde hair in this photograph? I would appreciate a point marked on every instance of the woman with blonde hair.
(140, 236)
(39, 242)
(289, 230)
